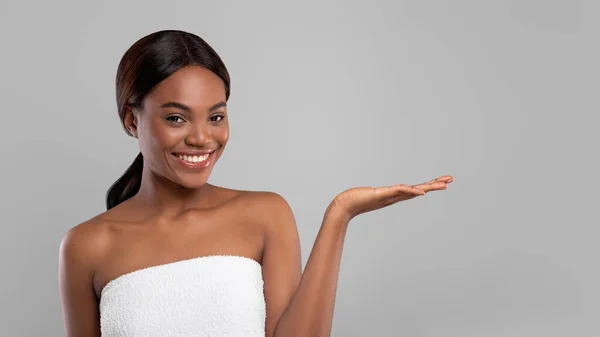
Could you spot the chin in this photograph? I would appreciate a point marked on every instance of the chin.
(194, 184)
(193, 181)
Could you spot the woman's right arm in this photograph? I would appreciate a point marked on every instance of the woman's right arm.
(77, 256)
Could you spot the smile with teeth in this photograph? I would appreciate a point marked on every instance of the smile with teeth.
(192, 159)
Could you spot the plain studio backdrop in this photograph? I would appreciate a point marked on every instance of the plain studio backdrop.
(328, 95)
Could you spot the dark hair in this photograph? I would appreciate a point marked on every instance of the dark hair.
(144, 65)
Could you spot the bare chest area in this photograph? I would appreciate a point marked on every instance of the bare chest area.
(139, 246)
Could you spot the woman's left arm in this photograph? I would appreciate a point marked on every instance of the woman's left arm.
(301, 304)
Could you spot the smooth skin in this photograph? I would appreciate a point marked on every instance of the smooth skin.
(177, 215)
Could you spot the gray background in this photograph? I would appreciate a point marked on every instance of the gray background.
(325, 96)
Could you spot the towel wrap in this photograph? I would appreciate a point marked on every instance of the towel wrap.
(216, 295)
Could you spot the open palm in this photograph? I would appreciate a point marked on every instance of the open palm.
(360, 200)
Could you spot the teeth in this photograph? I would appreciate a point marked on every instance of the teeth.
(193, 159)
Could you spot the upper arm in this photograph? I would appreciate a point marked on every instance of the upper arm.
(281, 262)
(78, 298)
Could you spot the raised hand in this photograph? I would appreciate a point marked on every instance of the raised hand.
(358, 200)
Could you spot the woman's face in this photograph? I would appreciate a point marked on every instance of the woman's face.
(182, 126)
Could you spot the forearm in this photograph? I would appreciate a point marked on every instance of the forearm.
(310, 312)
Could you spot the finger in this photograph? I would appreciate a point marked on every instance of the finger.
(444, 179)
(394, 191)
(439, 183)
(432, 186)
(405, 189)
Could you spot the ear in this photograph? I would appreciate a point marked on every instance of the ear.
(130, 121)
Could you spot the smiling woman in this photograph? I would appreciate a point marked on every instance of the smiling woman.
(143, 68)
(176, 256)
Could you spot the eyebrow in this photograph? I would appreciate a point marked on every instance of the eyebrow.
(188, 109)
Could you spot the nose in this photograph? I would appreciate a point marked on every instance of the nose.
(199, 136)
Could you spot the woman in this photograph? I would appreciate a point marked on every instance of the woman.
(176, 256)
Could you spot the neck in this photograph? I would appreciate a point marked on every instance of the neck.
(167, 199)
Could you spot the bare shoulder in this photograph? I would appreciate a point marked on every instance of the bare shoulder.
(270, 208)
(261, 200)
(81, 250)
(86, 242)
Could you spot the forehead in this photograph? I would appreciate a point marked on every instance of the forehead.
(192, 86)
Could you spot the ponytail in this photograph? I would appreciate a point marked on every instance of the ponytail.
(126, 186)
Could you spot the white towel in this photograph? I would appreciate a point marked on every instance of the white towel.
(217, 296)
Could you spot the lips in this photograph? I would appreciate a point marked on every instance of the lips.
(194, 159)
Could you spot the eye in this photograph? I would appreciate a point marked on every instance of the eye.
(175, 119)
(217, 118)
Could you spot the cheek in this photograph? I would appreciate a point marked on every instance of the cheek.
(220, 133)
(223, 135)
(161, 136)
